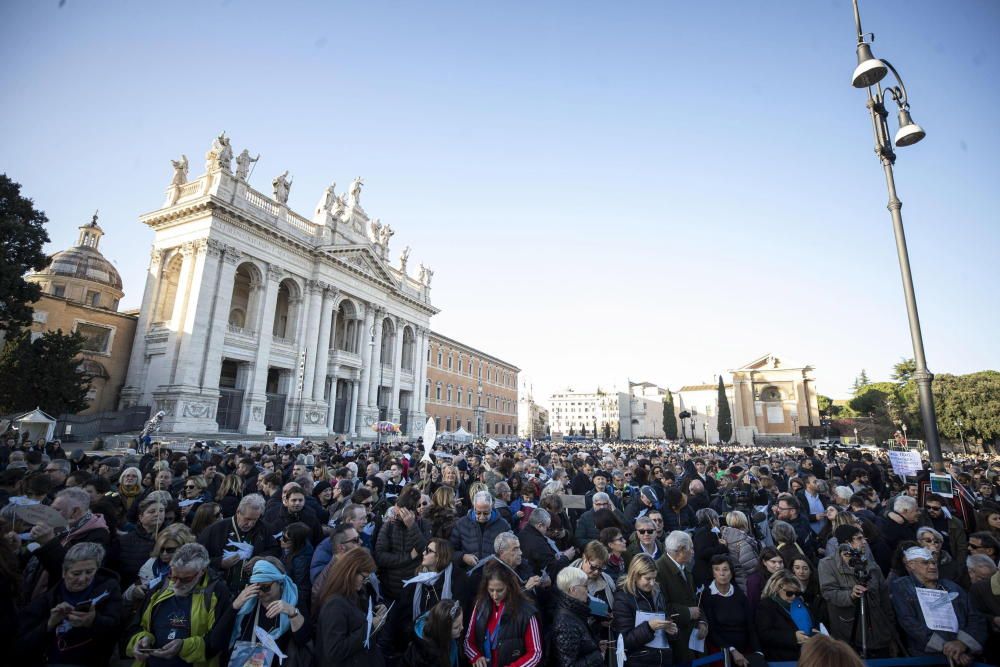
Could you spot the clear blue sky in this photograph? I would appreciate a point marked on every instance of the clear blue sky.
(659, 190)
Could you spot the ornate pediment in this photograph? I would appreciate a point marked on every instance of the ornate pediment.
(361, 259)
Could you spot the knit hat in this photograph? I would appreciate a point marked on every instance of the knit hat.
(650, 494)
(320, 487)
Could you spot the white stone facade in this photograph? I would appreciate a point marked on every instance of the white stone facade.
(576, 410)
(257, 319)
(641, 411)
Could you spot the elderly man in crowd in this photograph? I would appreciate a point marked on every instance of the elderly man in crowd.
(676, 582)
(180, 621)
(82, 526)
(233, 542)
(967, 628)
(475, 533)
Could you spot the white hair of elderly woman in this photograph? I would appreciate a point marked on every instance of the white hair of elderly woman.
(569, 577)
(678, 541)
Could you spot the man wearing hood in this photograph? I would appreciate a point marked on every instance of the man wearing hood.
(474, 534)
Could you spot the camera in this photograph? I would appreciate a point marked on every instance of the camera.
(857, 560)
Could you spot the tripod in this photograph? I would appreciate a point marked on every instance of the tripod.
(861, 619)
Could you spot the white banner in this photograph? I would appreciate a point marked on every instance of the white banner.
(288, 442)
(905, 463)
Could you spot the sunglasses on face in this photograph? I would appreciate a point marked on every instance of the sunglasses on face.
(791, 594)
(646, 531)
(266, 588)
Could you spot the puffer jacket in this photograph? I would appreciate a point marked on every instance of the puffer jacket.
(393, 553)
(743, 551)
(471, 537)
(575, 644)
(133, 551)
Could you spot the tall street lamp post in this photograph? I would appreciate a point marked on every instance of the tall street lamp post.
(869, 74)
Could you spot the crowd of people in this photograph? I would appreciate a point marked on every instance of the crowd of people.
(511, 555)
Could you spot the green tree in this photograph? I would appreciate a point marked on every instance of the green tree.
(44, 373)
(22, 235)
(826, 406)
(876, 400)
(669, 418)
(860, 382)
(973, 400)
(725, 418)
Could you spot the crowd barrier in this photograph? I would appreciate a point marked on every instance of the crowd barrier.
(719, 658)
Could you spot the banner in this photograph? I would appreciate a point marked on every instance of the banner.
(288, 442)
(906, 463)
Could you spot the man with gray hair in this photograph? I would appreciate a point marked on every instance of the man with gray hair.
(586, 527)
(180, 623)
(981, 568)
(673, 574)
(539, 550)
(508, 550)
(82, 525)
(250, 535)
(474, 534)
(899, 525)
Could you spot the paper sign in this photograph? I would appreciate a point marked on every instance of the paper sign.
(696, 644)
(905, 463)
(939, 614)
(942, 485)
(430, 435)
(598, 607)
(268, 641)
(659, 636)
(188, 503)
(573, 502)
(620, 650)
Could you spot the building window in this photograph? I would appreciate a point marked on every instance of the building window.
(428, 355)
(59, 290)
(468, 426)
(470, 399)
(459, 364)
(459, 395)
(438, 393)
(440, 358)
(93, 298)
(447, 424)
(96, 338)
(449, 393)
(427, 389)
(437, 424)
(451, 360)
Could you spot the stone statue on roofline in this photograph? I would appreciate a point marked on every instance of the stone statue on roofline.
(180, 171)
(425, 275)
(243, 162)
(375, 227)
(355, 191)
(220, 155)
(282, 185)
(386, 234)
(404, 257)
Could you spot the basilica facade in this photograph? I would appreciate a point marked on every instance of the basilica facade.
(257, 319)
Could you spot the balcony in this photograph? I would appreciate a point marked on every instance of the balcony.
(344, 358)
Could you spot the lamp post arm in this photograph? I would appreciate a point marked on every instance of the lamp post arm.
(857, 22)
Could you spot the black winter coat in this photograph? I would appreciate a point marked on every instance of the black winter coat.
(706, 545)
(133, 551)
(393, 554)
(471, 537)
(79, 646)
(776, 632)
(574, 642)
(637, 636)
(340, 636)
(215, 537)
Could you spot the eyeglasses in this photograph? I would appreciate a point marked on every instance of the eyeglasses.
(168, 550)
(933, 508)
(791, 594)
(646, 531)
(266, 588)
(428, 550)
(655, 520)
(182, 580)
(976, 546)
(930, 540)
(190, 486)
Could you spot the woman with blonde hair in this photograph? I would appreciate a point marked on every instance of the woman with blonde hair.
(639, 592)
(229, 494)
(441, 513)
(783, 620)
(743, 548)
(155, 570)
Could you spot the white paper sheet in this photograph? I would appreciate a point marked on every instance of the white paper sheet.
(694, 643)
(659, 636)
(939, 614)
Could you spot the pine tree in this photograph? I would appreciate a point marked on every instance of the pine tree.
(44, 373)
(725, 418)
(860, 382)
(23, 234)
(669, 418)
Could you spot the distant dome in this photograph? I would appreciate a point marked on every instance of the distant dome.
(83, 264)
(82, 273)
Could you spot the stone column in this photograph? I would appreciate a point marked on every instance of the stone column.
(397, 369)
(135, 384)
(418, 415)
(307, 337)
(376, 366)
(322, 342)
(219, 316)
(353, 409)
(360, 407)
(422, 365)
(256, 401)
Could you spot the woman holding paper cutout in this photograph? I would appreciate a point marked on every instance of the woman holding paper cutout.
(503, 627)
(783, 620)
(345, 633)
(78, 621)
(270, 601)
(640, 614)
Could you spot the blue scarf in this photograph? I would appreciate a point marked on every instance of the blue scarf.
(263, 573)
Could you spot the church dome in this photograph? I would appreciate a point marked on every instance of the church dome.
(82, 265)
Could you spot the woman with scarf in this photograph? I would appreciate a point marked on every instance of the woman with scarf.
(437, 633)
(503, 627)
(344, 634)
(78, 621)
(783, 619)
(270, 602)
(155, 570)
(639, 592)
(127, 493)
(433, 582)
